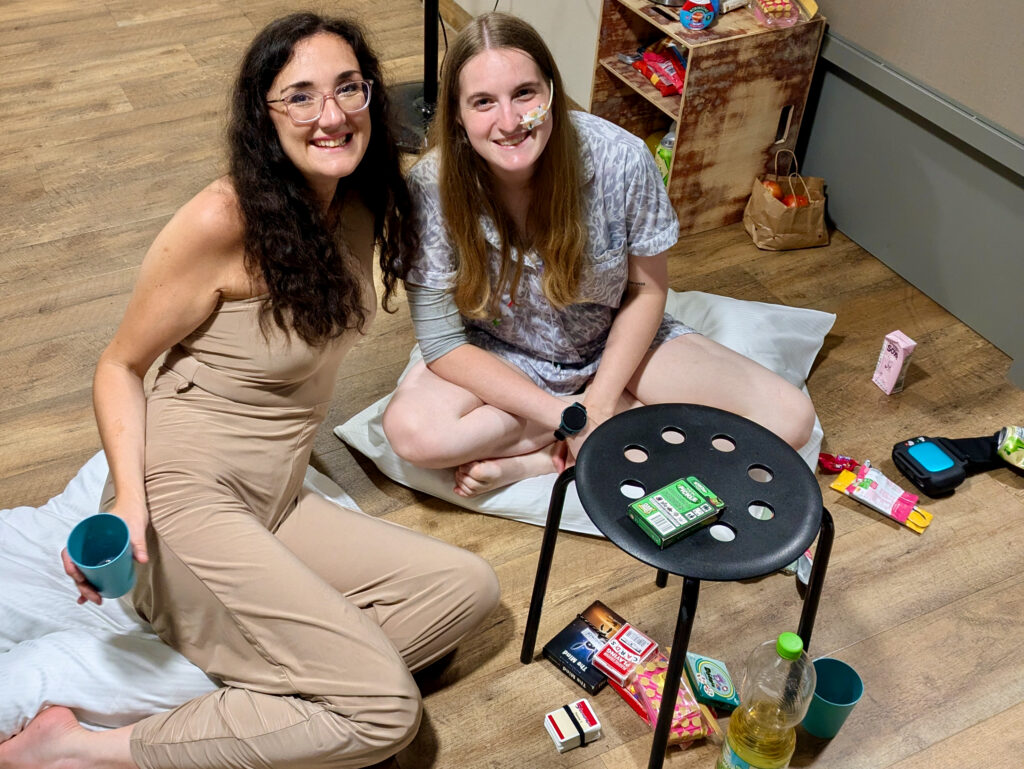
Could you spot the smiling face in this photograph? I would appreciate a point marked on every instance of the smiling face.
(332, 146)
(497, 87)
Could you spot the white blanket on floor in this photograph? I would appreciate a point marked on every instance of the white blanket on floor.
(783, 339)
(104, 662)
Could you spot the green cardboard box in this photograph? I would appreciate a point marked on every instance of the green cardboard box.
(675, 510)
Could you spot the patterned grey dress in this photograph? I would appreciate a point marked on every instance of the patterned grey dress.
(627, 213)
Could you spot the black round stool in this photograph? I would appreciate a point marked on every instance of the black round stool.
(773, 512)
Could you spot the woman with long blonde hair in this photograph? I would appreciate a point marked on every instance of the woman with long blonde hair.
(538, 287)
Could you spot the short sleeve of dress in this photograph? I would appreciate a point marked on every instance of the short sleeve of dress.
(651, 223)
(433, 266)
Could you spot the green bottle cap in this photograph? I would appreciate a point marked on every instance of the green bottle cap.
(789, 646)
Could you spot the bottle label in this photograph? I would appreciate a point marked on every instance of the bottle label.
(730, 760)
(663, 159)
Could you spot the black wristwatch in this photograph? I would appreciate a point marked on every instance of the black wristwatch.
(574, 419)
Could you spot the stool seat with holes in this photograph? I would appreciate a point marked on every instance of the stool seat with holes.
(773, 512)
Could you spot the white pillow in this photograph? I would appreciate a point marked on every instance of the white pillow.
(783, 339)
(104, 662)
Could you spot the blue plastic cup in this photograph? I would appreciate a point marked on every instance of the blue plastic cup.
(838, 689)
(101, 549)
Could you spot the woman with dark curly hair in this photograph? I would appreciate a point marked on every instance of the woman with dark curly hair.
(311, 616)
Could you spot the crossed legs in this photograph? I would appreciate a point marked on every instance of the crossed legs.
(433, 423)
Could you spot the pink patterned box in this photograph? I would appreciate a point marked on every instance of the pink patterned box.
(649, 683)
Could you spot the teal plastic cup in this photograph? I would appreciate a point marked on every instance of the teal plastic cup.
(100, 547)
(838, 689)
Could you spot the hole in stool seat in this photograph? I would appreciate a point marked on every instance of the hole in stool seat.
(632, 489)
(722, 532)
(723, 443)
(760, 473)
(673, 435)
(636, 454)
(761, 510)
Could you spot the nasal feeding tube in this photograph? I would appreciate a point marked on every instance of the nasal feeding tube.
(538, 115)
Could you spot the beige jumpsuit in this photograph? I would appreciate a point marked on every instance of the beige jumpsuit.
(312, 616)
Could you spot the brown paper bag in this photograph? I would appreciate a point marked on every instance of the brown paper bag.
(774, 227)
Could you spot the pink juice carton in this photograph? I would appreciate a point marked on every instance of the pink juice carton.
(893, 362)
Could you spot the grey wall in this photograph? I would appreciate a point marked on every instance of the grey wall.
(972, 52)
(943, 214)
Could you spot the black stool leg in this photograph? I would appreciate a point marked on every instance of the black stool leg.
(662, 578)
(547, 550)
(821, 556)
(684, 624)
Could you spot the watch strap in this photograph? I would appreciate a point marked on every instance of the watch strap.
(978, 454)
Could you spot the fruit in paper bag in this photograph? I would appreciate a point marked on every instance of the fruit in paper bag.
(774, 188)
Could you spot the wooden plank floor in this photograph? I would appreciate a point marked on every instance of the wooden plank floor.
(111, 114)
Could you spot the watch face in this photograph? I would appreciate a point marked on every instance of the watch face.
(574, 418)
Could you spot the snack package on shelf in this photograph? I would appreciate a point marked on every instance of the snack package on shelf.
(663, 63)
(775, 13)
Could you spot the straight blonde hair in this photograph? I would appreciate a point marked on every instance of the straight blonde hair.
(559, 234)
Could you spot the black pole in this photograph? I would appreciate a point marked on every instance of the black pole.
(413, 104)
(431, 18)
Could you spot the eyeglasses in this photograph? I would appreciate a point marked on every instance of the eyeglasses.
(305, 107)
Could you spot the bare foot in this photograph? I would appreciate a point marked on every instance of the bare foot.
(45, 742)
(485, 475)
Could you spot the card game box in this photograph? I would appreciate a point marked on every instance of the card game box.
(573, 649)
(572, 725)
(711, 682)
(673, 511)
(619, 657)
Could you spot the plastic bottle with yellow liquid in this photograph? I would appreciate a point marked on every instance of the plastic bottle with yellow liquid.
(777, 688)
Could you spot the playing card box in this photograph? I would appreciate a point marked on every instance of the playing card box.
(619, 657)
(573, 649)
(572, 725)
(673, 511)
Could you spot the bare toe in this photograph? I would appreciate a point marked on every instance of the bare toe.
(475, 478)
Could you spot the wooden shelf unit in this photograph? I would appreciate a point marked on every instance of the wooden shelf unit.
(743, 100)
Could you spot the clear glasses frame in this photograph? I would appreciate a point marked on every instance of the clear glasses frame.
(290, 101)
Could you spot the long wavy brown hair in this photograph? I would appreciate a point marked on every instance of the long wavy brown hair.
(312, 280)
(466, 184)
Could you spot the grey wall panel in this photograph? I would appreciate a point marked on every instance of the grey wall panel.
(944, 216)
(973, 52)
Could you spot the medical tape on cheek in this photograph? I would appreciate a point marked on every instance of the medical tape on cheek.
(539, 115)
